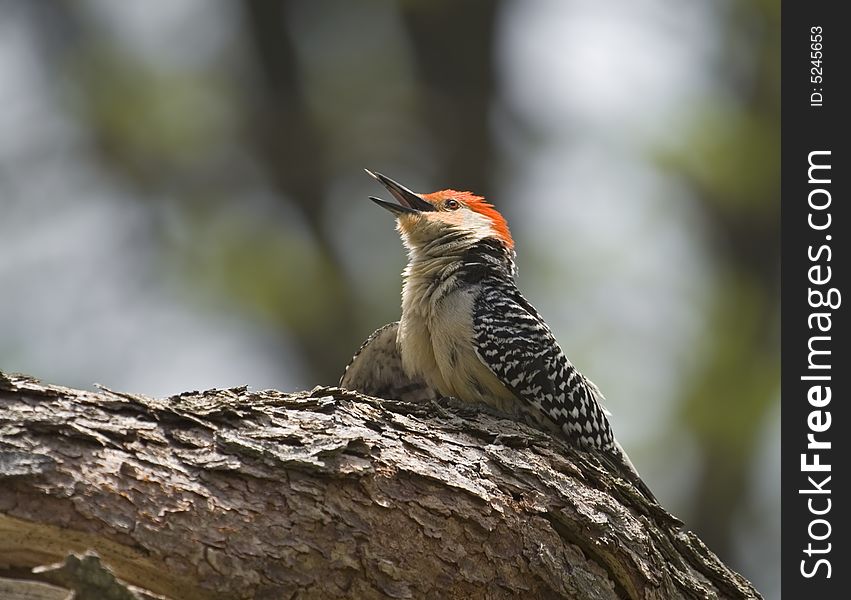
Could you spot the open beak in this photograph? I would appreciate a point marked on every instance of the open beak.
(409, 202)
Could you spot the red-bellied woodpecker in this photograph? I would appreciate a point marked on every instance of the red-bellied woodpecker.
(466, 330)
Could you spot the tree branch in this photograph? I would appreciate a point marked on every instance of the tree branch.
(326, 494)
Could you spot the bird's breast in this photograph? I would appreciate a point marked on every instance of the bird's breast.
(438, 344)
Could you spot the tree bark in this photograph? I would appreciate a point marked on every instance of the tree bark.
(321, 494)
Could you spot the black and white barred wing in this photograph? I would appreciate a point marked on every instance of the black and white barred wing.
(514, 342)
(517, 346)
(376, 370)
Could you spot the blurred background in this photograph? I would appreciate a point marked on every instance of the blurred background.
(183, 204)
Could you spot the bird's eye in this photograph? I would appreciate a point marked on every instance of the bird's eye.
(452, 204)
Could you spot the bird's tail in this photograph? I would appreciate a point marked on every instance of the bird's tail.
(619, 462)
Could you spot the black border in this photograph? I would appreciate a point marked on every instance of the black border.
(807, 128)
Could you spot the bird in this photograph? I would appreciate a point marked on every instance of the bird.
(468, 333)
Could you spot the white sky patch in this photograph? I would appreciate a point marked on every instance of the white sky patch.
(619, 67)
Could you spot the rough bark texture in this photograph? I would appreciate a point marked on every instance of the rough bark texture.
(321, 494)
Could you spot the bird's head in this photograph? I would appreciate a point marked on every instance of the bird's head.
(424, 219)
